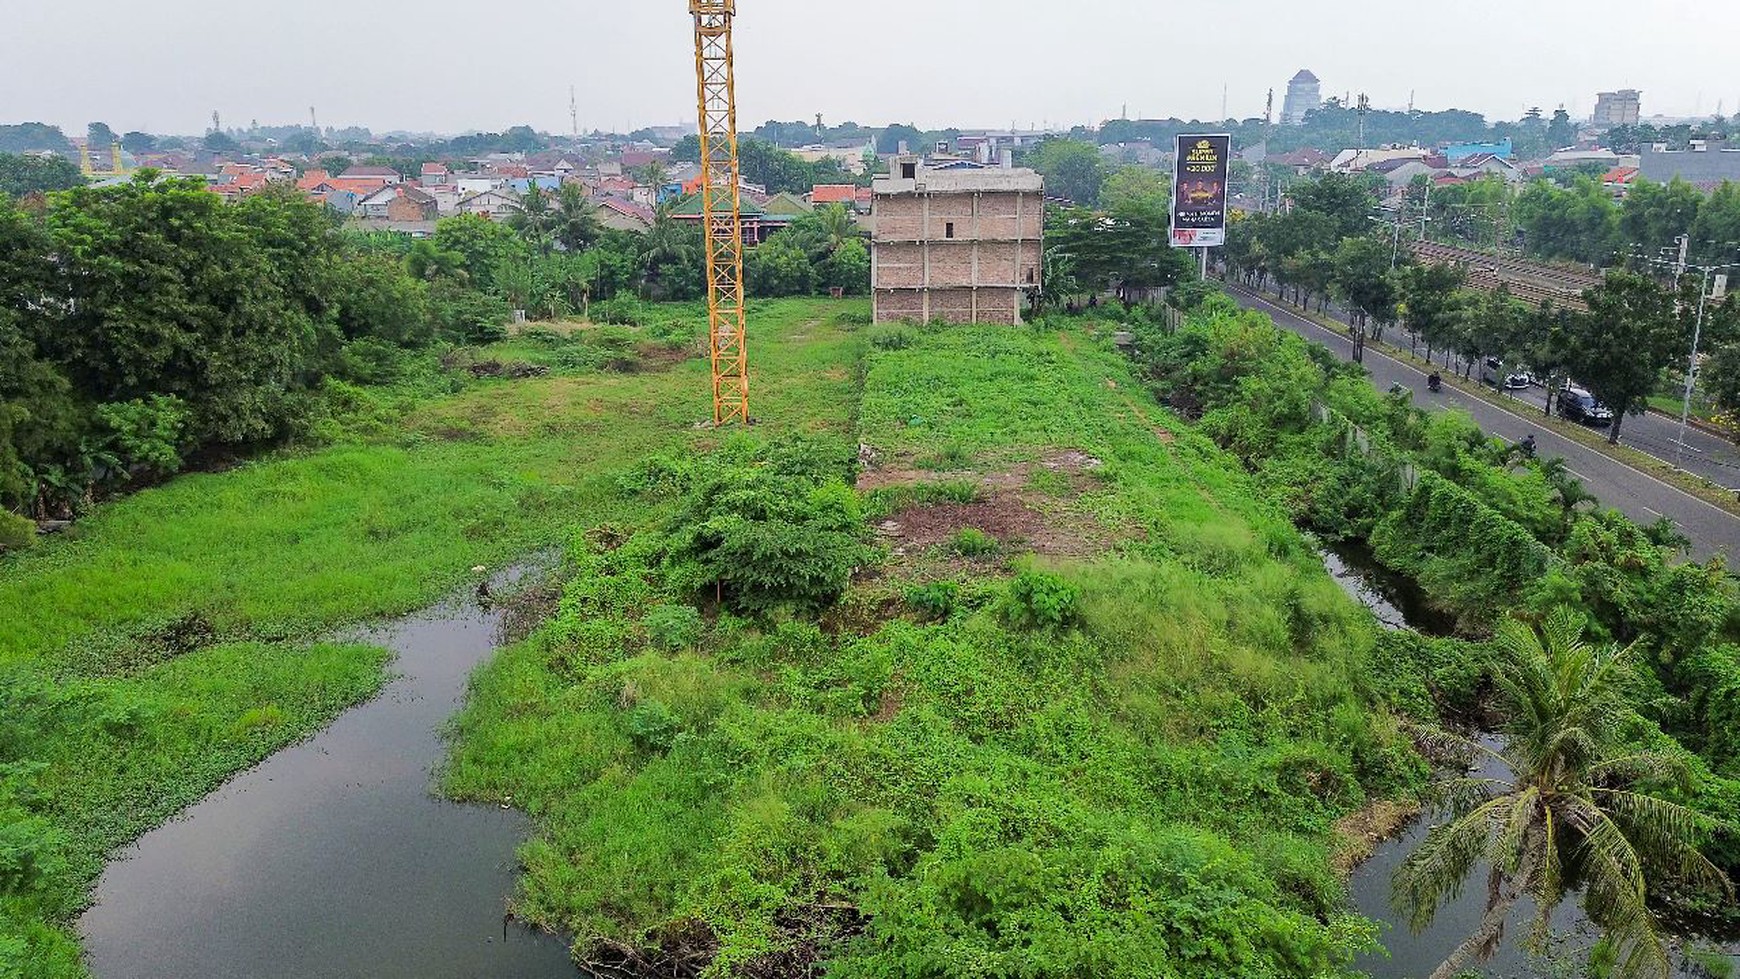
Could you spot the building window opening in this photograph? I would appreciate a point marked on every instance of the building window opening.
(949, 230)
(909, 171)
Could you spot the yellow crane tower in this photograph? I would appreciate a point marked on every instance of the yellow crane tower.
(721, 208)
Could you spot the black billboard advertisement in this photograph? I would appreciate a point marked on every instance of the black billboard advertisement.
(1199, 191)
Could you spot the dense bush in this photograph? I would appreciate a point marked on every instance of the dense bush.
(143, 323)
(1469, 559)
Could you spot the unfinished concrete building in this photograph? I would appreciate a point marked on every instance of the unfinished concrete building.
(956, 242)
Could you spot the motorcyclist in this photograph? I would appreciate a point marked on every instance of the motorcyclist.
(1434, 383)
(1528, 446)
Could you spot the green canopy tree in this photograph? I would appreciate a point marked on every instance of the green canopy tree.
(1567, 808)
(21, 175)
(170, 291)
(1433, 295)
(1654, 215)
(1073, 170)
(1360, 277)
(1619, 348)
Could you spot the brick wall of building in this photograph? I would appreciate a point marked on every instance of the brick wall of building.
(958, 256)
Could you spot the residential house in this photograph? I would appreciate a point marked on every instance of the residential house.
(399, 202)
(1619, 180)
(494, 204)
(623, 215)
(380, 175)
(1456, 153)
(1477, 165)
(758, 225)
(786, 204)
(1301, 161)
(1571, 159)
(522, 186)
(435, 175)
(475, 183)
(1359, 161)
(853, 197)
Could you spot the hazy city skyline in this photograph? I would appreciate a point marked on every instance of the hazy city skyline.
(165, 67)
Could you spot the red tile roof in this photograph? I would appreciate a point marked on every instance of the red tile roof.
(1620, 175)
(834, 194)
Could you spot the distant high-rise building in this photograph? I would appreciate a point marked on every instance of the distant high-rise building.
(1304, 93)
(1621, 108)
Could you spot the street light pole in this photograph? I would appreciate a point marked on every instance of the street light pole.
(1692, 365)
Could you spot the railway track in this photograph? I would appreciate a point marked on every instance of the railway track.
(1532, 282)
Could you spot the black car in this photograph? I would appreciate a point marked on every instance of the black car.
(1578, 405)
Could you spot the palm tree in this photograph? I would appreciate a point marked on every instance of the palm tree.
(1570, 813)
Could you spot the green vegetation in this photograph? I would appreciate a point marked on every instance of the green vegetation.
(1124, 750)
(21, 175)
(1486, 534)
(1639, 320)
(1567, 811)
(170, 638)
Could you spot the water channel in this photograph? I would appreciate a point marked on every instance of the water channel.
(333, 858)
(1398, 604)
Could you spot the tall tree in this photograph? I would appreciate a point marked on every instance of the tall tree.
(21, 175)
(1619, 348)
(1564, 809)
(1073, 169)
(1432, 295)
(576, 219)
(1655, 215)
(1561, 132)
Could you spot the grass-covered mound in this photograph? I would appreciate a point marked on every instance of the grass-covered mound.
(1052, 692)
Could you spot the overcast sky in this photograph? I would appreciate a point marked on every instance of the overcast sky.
(454, 65)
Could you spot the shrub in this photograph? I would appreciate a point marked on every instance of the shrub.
(972, 542)
(652, 726)
(673, 627)
(780, 527)
(935, 600)
(16, 532)
(1040, 600)
(892, 338)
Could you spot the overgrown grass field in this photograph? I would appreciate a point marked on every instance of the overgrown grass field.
(172, 638)
(1078, 701)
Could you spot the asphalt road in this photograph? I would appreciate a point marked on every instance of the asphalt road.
(1640, 496)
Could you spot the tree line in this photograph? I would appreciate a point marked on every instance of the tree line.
(1638, 322)
(151, 324)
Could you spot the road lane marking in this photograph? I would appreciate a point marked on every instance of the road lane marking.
(1416, 370)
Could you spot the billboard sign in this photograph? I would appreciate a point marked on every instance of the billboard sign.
(1199, 191)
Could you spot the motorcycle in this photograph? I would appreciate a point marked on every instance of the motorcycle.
(1434, 383)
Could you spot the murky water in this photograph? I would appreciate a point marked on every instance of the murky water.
(1396, 600)
(332, 859)
(1412, 956)
(1399, 604)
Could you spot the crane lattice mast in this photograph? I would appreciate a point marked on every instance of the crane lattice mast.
(721, 208)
